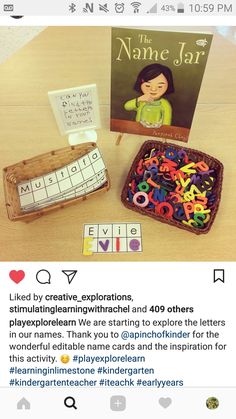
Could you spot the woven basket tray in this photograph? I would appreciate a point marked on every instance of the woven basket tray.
(193, 155)
(38, 166)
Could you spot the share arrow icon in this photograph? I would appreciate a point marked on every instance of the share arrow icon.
(70, 275)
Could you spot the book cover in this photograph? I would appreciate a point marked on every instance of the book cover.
(155, 81)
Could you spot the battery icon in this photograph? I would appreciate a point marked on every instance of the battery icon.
(180, 8)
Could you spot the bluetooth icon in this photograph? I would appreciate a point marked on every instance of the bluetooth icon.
(72, 7)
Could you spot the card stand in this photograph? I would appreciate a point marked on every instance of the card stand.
(38, 166)
(194, 155)
(82, 137)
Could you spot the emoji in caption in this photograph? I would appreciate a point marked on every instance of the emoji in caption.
(65, 358)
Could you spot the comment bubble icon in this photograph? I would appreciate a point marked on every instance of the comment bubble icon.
(43, 277)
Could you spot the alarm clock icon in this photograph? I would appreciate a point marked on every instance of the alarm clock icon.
(119, 7)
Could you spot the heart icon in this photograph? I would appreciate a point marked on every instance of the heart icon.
(165, 402)
(17, 276)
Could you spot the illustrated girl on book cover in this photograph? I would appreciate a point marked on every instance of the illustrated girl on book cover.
(152, 108)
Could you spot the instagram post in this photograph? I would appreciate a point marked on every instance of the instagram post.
(118, 229)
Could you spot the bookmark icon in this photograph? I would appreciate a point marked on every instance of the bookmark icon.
(219, 275)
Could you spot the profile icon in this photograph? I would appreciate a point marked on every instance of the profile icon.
(212, 403)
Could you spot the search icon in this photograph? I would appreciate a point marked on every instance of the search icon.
(70, 402)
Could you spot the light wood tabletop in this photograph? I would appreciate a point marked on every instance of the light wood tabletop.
(63, 57)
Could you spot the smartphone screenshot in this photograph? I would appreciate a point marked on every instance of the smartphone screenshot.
(118, 230)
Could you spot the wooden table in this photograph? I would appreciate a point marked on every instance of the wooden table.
(65, 57)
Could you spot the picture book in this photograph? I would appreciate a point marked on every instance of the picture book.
(155, 81)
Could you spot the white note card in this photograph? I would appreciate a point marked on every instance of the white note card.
(76, 109)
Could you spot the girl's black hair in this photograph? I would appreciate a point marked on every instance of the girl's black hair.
(151, 72)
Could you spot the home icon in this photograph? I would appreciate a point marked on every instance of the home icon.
(23, 404)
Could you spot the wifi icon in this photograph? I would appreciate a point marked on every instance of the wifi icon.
(136, 5)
